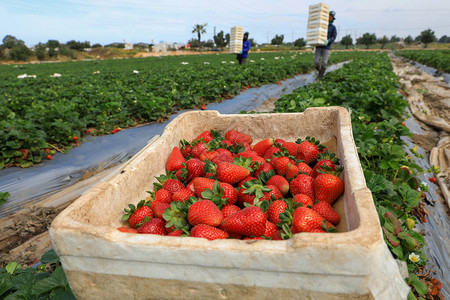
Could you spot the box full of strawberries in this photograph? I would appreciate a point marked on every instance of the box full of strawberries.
(257, 206)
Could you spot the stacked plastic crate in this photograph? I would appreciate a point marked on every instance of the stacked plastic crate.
(317, 29)
(236, 37)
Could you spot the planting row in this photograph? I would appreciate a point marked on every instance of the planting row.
(49, 107)
(439, 59)
(369, 89)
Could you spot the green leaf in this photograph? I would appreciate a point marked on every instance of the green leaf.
(12, 267)
(5, 283)
(49, 257)
(418, 285)
(56, 280)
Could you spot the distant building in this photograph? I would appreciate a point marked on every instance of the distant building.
(161, 47)
(128, 46)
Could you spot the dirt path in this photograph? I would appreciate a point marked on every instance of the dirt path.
(429, 101)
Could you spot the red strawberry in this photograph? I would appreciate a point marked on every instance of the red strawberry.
(197, 149)
(182, 195)
(229, 192)
(306, 220)
(308, 152)
(245, 198)
(136, 214)
(275, 209)
(173, 185)
(272, 150)
(236, 137)
(163, 195)
(275, 192)
(205, 212)
(280, 182)
(324, 209)
(262, 146)
(304, 200)
(291, 171)
(186, 148)
(304, 168)
(208, 155)
(206, 135)
(201, 183)
(126, 229)
(49, 157)
(272, 231)
(231, 173)
(154, 226)
(302, 184)
(159, 208)
(175, 160)
(208, 232)
(24, 153)
(280, 164)
(220, 158)
(328, 187)
(250, 221)
(326, 159)
(432, 179)
(265, 167)
(176, 233)
(75, 138)
(195, 168)
(248, 178)
(229, 209)
(291, 147)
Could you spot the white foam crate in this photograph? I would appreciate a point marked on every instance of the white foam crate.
(102, 263)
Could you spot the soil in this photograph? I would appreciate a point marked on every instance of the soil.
(24, 236)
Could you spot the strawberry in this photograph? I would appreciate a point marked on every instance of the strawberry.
(280, 182)
(206, 135)
(75, 138)
(24, 153)
(231, 173)
(159, 208)
(272, 231)
(308, 152)
(203, 106)
(205, 212)
(325, 159)
(126, 229)
(208, 232)
(275, 209)
(280, 164)
(154, 226)
(197, 149)
(49, 157)
(324, 209)
(272, 150)
(305, 200)
(432, 179)
(304, 168)
(175, 160)
(200, 184)
(236, 137)
(136, 214)
(306, 220)
(163, 195)
(291, 171)
(173, 185)
(302, 184)
(229, 192)
(262, 146)
(249, 221)
(248, 178)
(291, 147)
(186, 148)
(264, 168)
(195, 168)
(182, 195)
(222, 158)
(229, 209)
(176, 233)
(273, 193)
(328, 187)
(208, 155)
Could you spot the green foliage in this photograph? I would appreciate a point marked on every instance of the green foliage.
(3, 197)
(367, 39)
(347, 41)
(427, 36)
(278, 39)
(46, 281)
(20, 52)
(300, 43)
(439, 59)
(46, 112)
(219, 40)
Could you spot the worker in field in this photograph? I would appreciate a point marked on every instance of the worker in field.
(323, 52)
(242, 56)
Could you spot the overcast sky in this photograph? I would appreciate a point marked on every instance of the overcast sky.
(133, 21)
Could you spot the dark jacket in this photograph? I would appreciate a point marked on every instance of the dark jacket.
(245, 48)
(331, 36)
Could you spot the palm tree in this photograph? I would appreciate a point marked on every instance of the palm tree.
(199, 29)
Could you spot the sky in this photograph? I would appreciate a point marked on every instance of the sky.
(153, 21)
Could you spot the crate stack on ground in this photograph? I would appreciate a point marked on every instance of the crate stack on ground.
(236, 37)
(317, 29)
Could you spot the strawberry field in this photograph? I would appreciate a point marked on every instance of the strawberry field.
(439, 59)
(50, 113)
(53, 106)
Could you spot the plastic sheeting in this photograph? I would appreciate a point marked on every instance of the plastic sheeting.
(31, 185)
(430, 70)
(437, 227)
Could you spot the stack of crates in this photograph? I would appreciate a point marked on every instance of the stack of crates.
(236, 37)
(317, 29)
